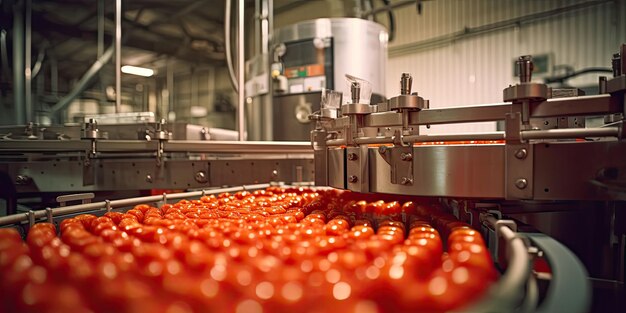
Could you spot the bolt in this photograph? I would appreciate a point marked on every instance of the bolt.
(355, 92)
(149, 178)
(353, 179)
(352, 156)
(201, 177)
(382, 149)
(406, 156)
(22, 180)
(406, 181)
(405, 84)
(521, 153)
(521, 183)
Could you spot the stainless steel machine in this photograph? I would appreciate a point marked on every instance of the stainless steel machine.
(40, 163)
(306, 58)
(566, 182)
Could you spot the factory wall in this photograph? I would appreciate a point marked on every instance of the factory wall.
(453, 69)
(204, 96)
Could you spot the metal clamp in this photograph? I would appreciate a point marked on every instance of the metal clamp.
(49, 215)
(82, 197)
(31, 218)
(504, 223)
(162, 135)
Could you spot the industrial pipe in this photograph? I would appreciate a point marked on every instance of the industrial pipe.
(28, 77)
(4, 55)
(240, 69)
(229, 57)
(421, 138)
(38, 64)
(84, 81)
(570, 133)
(118, 56)
(18, 63)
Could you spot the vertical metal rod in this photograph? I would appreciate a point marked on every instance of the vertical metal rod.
(270, 18)
(118, 55)
(211, 87)
(28, 82)
(265, 31)
(170, 88)
(258, 16)
(194, 87)
(240, 71)
(54, 75)
(268, 104)
(18, 63)
(100, 28)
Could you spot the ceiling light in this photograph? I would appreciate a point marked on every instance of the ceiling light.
(135, 70)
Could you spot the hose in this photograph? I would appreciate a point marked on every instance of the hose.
(229, 60)
(392, 22)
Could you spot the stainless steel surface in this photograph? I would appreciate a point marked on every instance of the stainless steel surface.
(357, 169)
(118, 56)
(477, 113)
(569, 133)
(241, 97)
(568, 170)
(145, 174)
(443, 171)
(286, 110)
(455, 137)
(576, 106)
(359, 48)
(357, 109)
(126, 146)
(336, 168)
(519, 174)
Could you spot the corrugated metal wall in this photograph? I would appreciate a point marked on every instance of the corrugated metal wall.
(453, 68)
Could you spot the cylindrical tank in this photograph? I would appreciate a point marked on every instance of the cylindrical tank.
(307, 57)
(357, 47)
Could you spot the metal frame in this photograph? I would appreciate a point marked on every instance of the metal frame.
(515, 164)
(91, 165)
(108, 205)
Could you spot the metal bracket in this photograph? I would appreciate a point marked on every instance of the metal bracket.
(357, 169)
(519, 174)
(162, 135)
(31, 218)
(49, 215)
(513, 127)
(507, 223)
(402, 165)
(82, 197)
(320, 152)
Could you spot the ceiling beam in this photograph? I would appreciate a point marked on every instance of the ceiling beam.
(168, 45)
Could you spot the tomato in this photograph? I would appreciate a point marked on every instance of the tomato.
(274, 250)
(40, 235)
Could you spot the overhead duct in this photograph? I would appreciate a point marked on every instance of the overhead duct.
(83, 83)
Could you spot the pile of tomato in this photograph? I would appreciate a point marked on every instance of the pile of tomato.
(274, 250)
